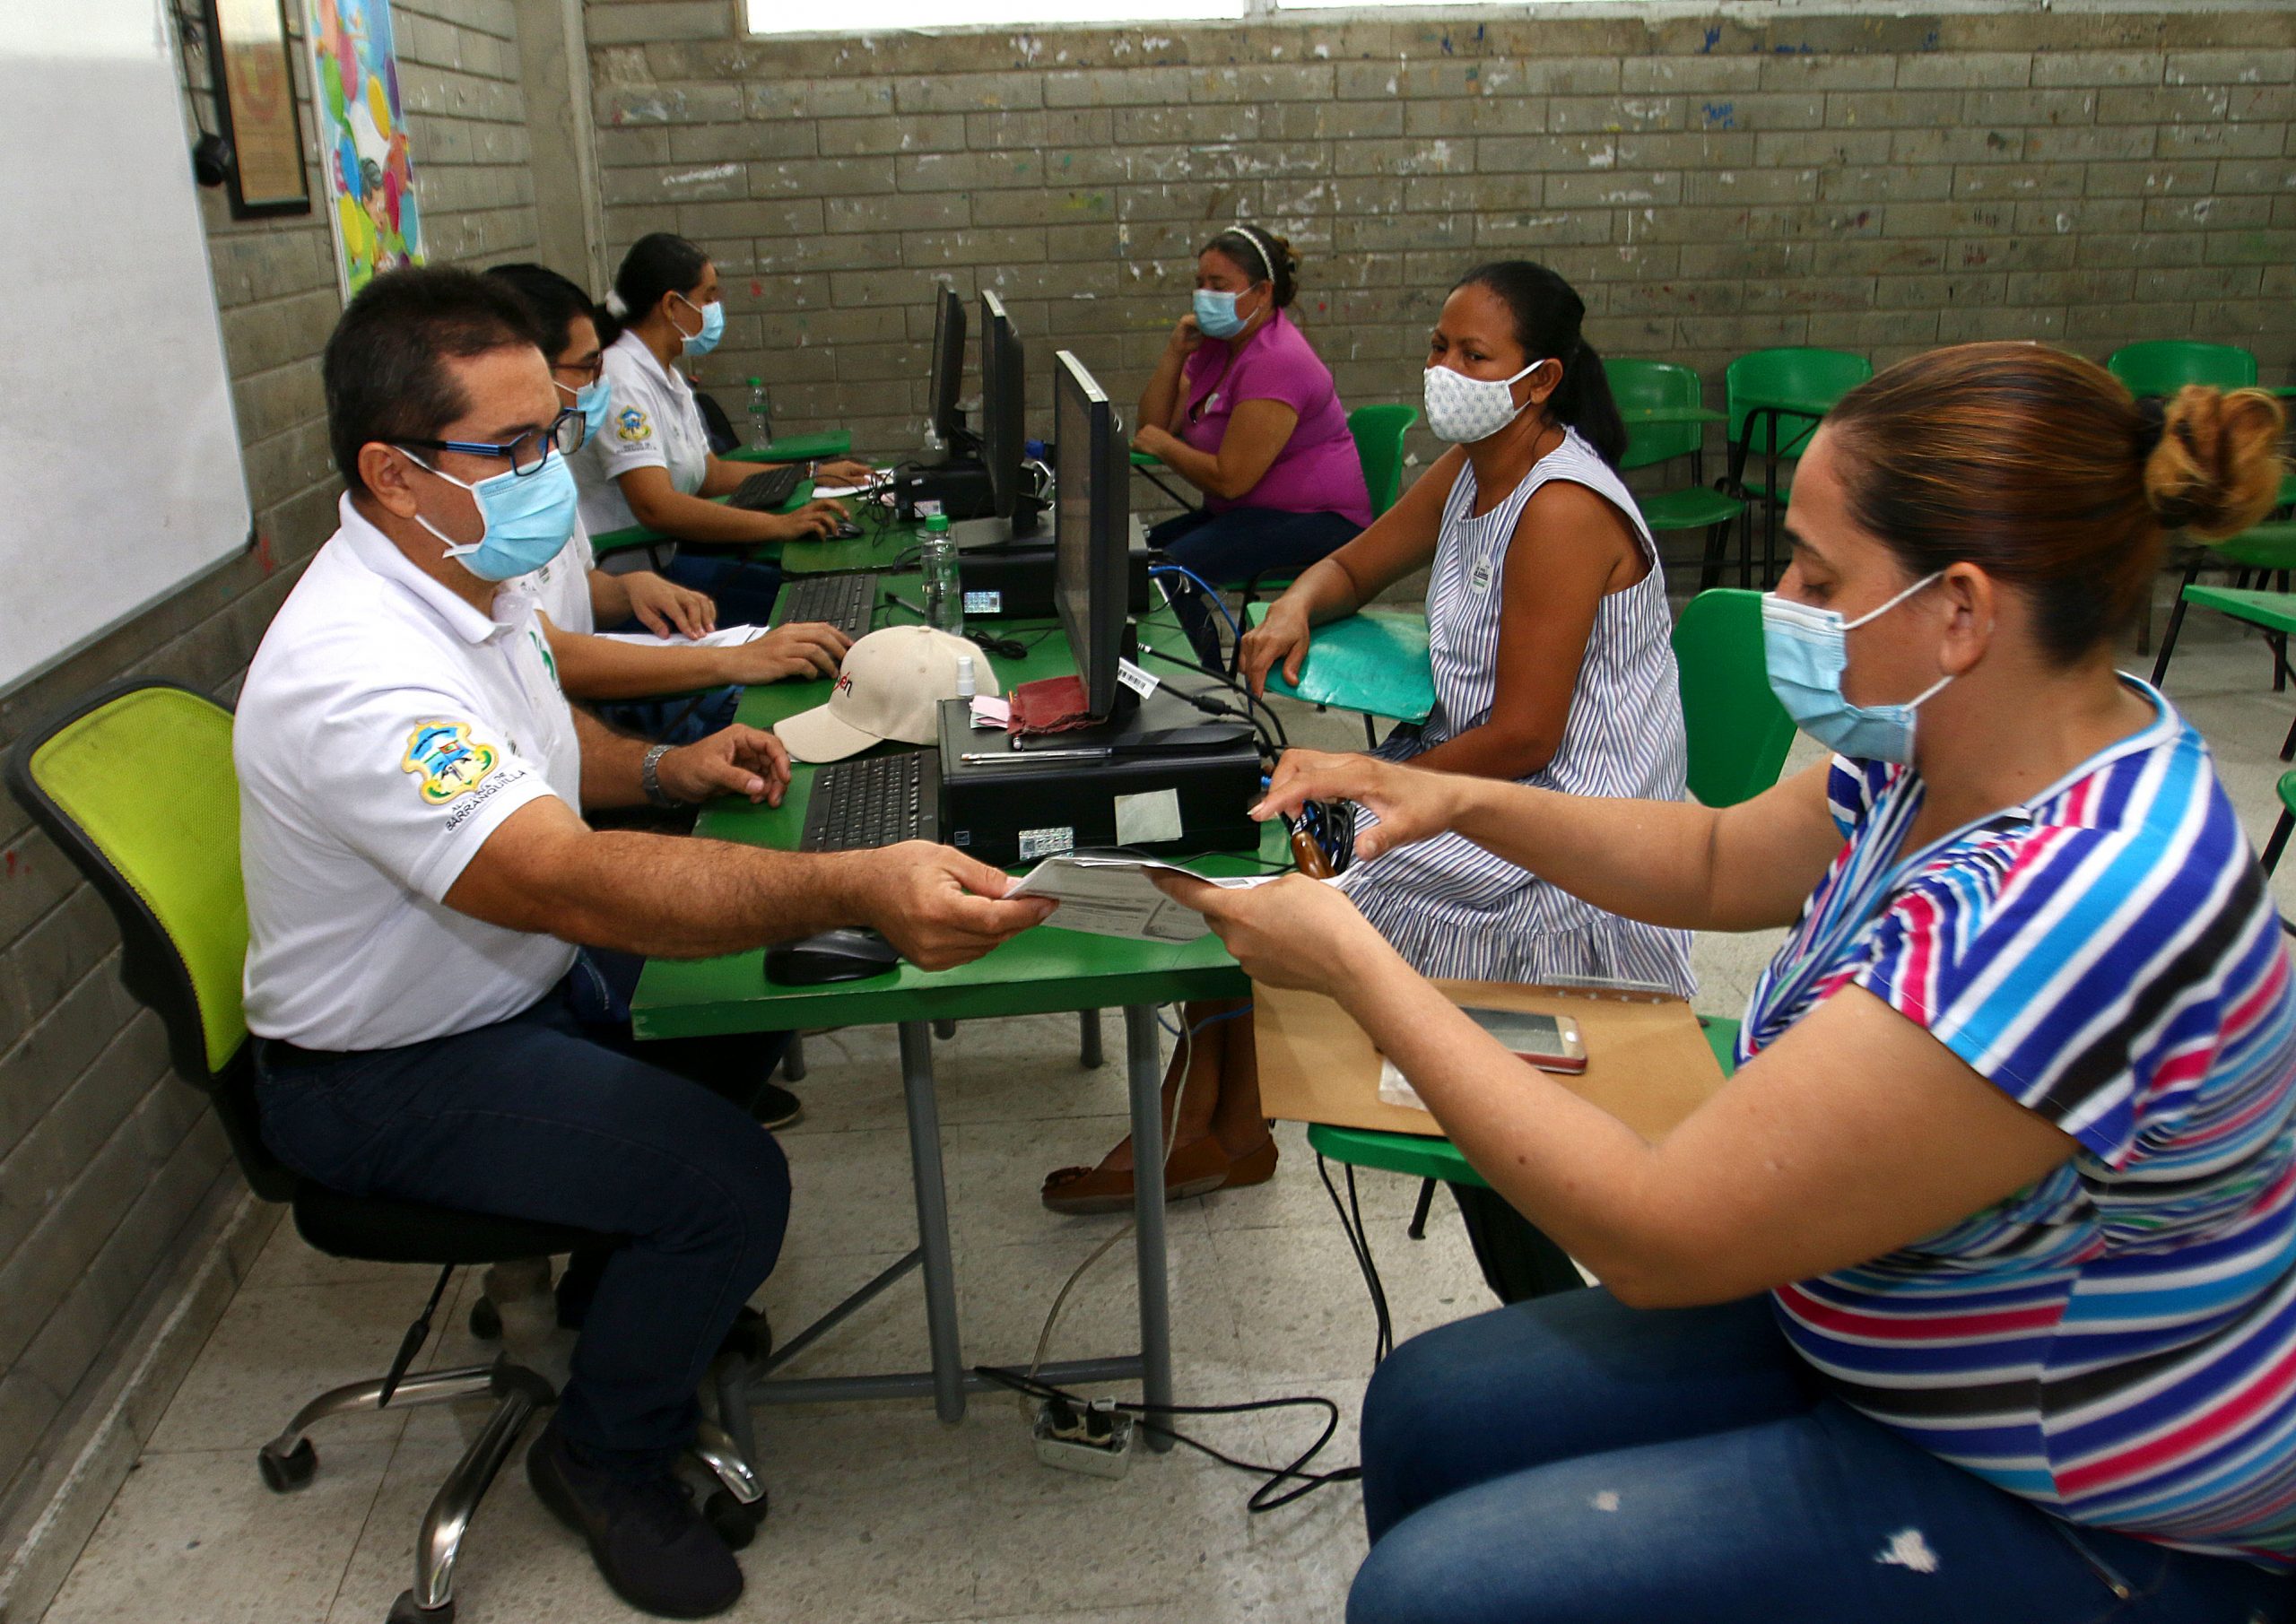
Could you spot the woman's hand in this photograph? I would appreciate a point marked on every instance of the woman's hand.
(1156, 442)
(1283, 637)
(1185, 336)
(812, 522)
(1410, 804)
(663, 604)
(843, 470)
(803, 649)
(1294, 932)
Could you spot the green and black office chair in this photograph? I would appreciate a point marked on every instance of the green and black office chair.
(136, 785)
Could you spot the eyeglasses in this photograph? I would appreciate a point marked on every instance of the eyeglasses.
(527, 453)
(588, 371)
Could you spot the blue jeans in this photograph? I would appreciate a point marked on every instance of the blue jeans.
(1229, 549)
(743, 590)
(547, 1115)
(1570, 1461)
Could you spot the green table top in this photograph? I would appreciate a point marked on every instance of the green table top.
(1147, 459)
(880, 547)
(1041, 971)
(2272, 611)
(638, 536)
(1374, 661)
(795, 448)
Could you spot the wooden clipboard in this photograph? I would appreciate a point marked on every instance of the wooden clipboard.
(1647, 1062)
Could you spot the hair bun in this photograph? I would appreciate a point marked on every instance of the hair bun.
(2216, 466)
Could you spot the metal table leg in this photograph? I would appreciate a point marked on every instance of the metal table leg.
(1144, 1071)
(933, 1220)
(1088, 1052)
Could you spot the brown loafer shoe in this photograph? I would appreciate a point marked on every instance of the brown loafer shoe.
(1196, 1168)
(1255, 1166)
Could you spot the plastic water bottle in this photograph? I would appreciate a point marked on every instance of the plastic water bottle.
(760, 414)
(935, 446)
(944, 598)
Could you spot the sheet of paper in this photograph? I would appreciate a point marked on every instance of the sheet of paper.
(1394, 1087)
(989, 711)
(1112, 895)
(725, 636)
(834, 491)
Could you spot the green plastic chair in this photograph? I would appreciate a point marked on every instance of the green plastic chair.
(1738, 733)
(1379, 433)
(1655, 383)
(136, 787)
(2163, 365)
(2286, 789)
(1775, 399)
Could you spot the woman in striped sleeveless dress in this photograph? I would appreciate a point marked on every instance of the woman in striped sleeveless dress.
(1971, 1295)
(1549, 633)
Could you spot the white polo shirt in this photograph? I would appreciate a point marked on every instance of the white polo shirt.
(654, 423)
(386, 729)
(561, 588)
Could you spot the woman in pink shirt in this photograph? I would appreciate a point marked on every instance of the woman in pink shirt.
(1242, 408)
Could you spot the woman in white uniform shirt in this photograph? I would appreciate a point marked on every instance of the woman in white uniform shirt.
(652, 465)
(576, 598)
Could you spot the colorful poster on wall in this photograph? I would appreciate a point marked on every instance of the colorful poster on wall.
(362, 139)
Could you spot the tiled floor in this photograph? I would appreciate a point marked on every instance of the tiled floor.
(879, 1512)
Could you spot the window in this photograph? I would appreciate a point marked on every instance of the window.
(880, 16)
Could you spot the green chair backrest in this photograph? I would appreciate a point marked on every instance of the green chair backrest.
(1739, 733)
(1379, 433)
(2163, 366)
(1818, 378)
(1647, 384)
(141, 781)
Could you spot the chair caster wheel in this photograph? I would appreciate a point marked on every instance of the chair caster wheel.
(405, 1611)
(486, 1320)
(736, 1523)
(285, 1473)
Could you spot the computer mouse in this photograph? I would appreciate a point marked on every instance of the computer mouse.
(846, 954)
(848, 531)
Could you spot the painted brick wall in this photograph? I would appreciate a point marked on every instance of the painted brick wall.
(1881, 184)
(104, 1154)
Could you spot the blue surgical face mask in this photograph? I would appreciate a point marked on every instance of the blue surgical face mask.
(1215, 313)
(593, 400)
(1807, 651)
(713, 325)
(529, 518)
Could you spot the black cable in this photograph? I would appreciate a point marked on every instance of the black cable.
(1274, 740)
(1359, 1242)
(1261, 1500)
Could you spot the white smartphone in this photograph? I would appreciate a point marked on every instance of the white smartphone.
(1549, 1042)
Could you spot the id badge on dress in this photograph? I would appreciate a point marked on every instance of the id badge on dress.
(1479, 578)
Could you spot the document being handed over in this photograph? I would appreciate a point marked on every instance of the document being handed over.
(1112, 895)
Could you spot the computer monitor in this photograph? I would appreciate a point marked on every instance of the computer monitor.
(948, 366)
(1091, 525)
(1004, 417)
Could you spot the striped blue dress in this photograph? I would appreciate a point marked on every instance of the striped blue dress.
(1452, 908)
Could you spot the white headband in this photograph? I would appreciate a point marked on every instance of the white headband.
(1267, 254)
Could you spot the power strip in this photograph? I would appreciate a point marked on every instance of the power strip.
(1095, 1439)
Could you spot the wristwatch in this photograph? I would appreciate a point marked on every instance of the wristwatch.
(649, 776)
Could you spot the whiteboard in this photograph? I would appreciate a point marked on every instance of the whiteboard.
(119, 456)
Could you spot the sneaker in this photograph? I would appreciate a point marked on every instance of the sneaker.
(653, 1547)
(775, 1106)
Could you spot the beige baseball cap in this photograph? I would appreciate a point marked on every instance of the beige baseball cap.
(890, 687)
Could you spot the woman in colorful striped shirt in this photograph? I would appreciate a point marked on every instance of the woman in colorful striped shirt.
(1973, 1295)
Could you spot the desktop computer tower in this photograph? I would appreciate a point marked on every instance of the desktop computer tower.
(1191, 793)
(961, 487)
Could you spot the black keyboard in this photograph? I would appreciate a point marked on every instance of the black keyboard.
(764, 492)
(847, 602)
(873, 801)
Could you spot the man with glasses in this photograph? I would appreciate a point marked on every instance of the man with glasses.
(417, 868)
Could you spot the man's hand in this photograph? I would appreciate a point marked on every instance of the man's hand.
(940, 907)
(812, 522)
(734, 761)
(803, 649)
(1411, 804)
(1283, 637)
(1294, 932)
(665, 606)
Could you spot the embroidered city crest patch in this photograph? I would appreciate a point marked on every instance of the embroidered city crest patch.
(446, 760)
(630, 424)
